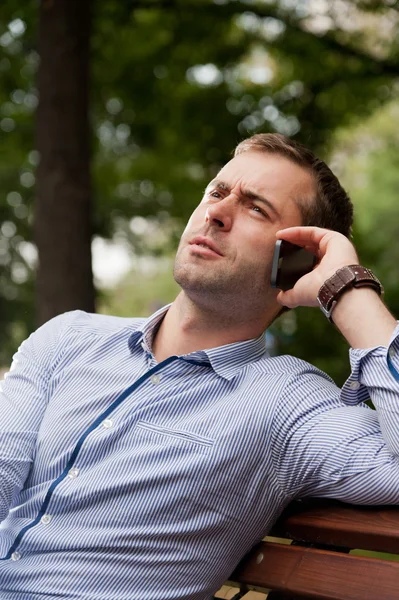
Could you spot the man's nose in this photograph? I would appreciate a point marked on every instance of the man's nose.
(220, 214)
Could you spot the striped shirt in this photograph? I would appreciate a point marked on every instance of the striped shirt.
(126, 479)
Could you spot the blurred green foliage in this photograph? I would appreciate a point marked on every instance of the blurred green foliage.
(146, 289)
(175, 85)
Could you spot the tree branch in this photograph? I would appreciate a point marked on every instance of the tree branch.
(372, 64)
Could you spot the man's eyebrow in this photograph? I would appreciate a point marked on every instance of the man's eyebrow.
(221, 185)
(259, 198)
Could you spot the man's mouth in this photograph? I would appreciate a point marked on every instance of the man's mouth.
(206, 244)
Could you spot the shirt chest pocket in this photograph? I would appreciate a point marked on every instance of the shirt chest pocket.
(166, 456)
(170, 466)
(190, 475)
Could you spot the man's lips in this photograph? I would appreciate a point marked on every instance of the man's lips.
(205, 243)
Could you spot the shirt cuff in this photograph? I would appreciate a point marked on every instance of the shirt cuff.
(371, 367)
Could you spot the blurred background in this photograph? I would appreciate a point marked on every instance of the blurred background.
(115, 114)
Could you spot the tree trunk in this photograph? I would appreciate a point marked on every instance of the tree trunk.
(63, 202)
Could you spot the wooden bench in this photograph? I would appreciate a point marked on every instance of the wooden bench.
(317, 564)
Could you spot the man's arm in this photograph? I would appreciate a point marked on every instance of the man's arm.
(333, 444)
(23, 399)
(328, 446)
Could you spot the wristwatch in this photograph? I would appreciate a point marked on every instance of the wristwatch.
(344, 279)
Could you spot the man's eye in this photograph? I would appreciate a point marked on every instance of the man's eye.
(259, 210)
(215, 194)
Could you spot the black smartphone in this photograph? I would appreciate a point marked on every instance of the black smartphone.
(290, 263)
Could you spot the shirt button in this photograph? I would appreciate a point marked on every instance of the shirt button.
(354, 385)
(72, 473)
(391, 352)
(108, 423)
(16, 556)
(155, 378)
(46, 519)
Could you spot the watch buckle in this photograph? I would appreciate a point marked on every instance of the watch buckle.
(327, 313)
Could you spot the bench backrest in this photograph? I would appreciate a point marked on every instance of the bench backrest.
(317, 565)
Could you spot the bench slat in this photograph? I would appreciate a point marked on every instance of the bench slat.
(366, 528)
(318, 574)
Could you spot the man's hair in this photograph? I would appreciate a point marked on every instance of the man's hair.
(330, 207)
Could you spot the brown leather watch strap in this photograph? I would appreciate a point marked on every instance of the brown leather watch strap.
(344, 279)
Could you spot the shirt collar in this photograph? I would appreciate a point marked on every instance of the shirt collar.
(226, 360)
(145, 332)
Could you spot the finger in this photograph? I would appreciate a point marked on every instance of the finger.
(303, 236)
(285, 299)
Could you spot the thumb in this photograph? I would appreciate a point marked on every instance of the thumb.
(285, 298)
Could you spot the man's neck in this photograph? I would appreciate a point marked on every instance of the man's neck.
(188, 327)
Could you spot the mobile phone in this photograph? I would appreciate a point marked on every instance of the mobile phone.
(290, 263)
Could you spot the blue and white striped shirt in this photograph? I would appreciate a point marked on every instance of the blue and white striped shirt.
(121, 478)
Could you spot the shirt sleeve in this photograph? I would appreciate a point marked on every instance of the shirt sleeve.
(329, 443)
(23, 399)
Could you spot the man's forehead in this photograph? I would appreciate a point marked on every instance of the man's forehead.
(268, 173)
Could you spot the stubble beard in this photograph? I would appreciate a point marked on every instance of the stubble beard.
(221, 286)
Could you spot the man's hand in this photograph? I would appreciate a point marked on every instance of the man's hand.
(333, 251)
(360, 313)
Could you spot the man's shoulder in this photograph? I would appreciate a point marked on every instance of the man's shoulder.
(78, 325)
(292, 375)
(286, 365)
(100, 324)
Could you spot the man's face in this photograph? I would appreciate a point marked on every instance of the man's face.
(227, 247)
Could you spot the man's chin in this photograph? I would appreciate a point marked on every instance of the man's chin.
(195, 280)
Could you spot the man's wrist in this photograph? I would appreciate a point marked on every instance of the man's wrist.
(343, 280)
(363, 319)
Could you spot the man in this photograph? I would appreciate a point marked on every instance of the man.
(141, 459)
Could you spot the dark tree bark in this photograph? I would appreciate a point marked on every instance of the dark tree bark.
(63, 203)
